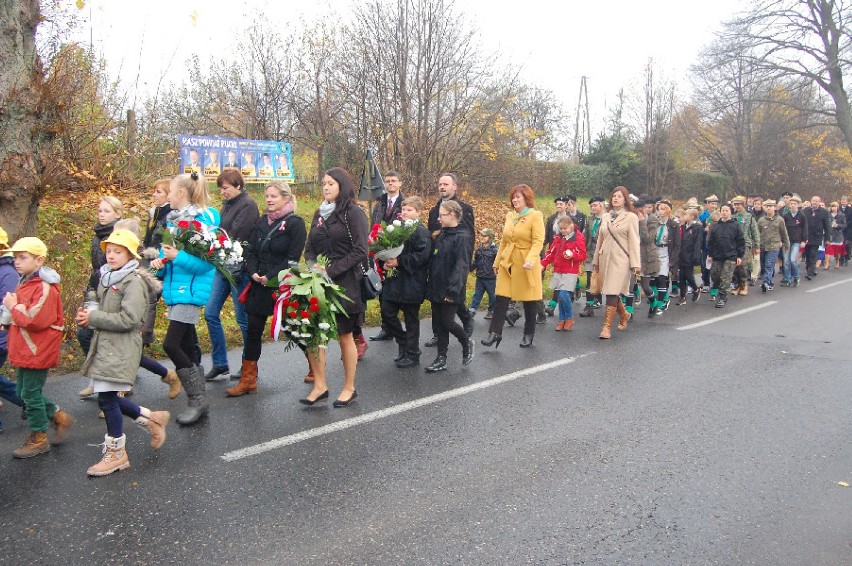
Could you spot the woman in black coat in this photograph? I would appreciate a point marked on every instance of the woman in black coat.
(339, 232)
(447, 284)
(275, 243)
(406, 290)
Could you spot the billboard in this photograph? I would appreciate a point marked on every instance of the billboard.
(257, 160)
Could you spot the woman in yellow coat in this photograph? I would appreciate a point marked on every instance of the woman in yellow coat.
(617, 257)
(518, 265)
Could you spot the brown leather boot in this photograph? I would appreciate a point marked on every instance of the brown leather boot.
(36, 443)
(743, 289)
(568, 324)
(559, 326)
(248, 381)
(609, 316)
(171, 379)
(61, 423)
(624, 316)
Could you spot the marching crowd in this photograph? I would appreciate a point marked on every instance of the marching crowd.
(629, 248)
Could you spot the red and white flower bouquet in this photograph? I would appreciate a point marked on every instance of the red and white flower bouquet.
(306, 306)
(213, 246)
(386, 241)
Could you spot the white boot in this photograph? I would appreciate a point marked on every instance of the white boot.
(114, 458)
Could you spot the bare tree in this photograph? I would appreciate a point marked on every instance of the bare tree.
(429, 96)
(230, 97)
(805, 40)
(25, 130)
(658, 97)
(319, 98)
(750, 125)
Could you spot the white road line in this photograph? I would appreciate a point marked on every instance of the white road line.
(727, 316)
(814, 290)
(390, 411)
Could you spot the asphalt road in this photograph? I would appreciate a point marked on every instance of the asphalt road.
(721, 443)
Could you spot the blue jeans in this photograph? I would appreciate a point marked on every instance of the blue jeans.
(484, 286)
(218, 295)
(7, 388)
(791, 262)
(769, 258)
(566, 304)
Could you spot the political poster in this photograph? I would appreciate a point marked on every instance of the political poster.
(256, 160)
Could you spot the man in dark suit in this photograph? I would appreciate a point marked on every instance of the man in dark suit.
(387, 209)
(389, 205)
(819, 232)
(448, 188)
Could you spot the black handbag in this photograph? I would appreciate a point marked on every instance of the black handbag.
(371, 282)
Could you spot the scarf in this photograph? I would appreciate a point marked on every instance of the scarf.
(613, 214)
(189, 212)
(273, 215)
(662, 235)
(595, 226)
(102, 231)
(109, 277)
(326, 208)
(521, 214)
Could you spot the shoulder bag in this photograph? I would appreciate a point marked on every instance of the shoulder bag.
(371, 282)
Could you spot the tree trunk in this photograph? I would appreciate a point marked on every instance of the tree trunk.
(22, 116)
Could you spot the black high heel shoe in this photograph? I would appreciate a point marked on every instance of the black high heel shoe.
(527, 341)
(340, 403)
(493, 339)
(309, 402)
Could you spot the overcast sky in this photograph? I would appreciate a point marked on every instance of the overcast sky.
(554, 42)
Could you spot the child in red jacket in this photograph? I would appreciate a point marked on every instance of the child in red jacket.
(34, 337)
(567, 254)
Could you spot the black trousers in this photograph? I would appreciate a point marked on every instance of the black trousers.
(254, 337)
(444, 323)
(181, 344)
(686, 274)
(501, 307)
(461, 310)
(408, 337)
(811, 251)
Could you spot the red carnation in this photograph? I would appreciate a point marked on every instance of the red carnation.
(293, 314)
(183, 224)
(313, 300)
(306, 314)
(294, 304)
(196, 224)
(314, 308)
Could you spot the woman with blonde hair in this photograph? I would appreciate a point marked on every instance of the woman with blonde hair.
(275, 243)
(617, 257)
(187, 283)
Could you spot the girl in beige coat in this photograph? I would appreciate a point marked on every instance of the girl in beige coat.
(518, 265)
(117, 347)
(617, 257)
